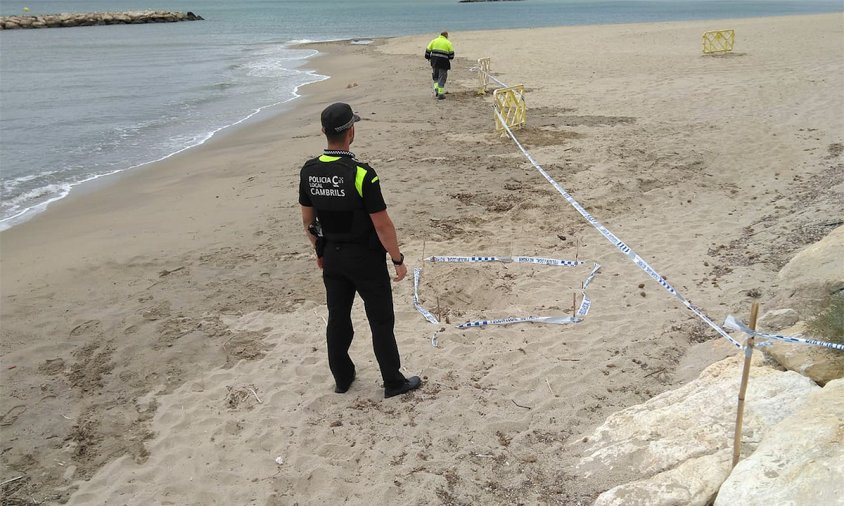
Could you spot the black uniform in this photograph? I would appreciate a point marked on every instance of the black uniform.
(343, 193)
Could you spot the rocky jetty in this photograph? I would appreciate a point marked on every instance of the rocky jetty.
(94, 18)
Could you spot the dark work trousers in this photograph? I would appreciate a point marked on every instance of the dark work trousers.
(350, 268)
(439, 76)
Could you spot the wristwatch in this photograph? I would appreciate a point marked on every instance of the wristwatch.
(399, 261)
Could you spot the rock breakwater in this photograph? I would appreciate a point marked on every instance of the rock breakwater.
(65, 20)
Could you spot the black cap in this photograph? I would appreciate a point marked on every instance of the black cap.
(338, 117)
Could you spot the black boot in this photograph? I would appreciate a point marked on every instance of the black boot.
(411, 383)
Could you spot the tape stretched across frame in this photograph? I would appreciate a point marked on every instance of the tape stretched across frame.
(581, 312)
(731, 322)
(642, 264)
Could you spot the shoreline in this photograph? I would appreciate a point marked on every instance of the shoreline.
(82, 187)
(141, 311)
(90, 184)
(57, 219)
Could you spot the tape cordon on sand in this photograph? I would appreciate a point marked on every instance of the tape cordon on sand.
(581, 312)
(428, 316)
(732, 323)
(643, 265)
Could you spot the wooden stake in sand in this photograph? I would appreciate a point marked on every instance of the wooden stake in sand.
(745, 373)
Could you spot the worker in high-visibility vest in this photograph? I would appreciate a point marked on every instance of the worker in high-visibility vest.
(440, 52)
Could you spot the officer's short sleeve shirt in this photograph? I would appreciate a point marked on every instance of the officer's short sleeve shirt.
(304, 197)
(373, 201)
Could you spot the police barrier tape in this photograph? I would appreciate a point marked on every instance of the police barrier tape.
(557, 320)
(581, 312)
(642, 264)
(732, 323)
(417, 271)
(615, 241)
(497, 81)
(516, 259)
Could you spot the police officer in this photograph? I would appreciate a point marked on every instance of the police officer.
(346, 220)
(440, 52)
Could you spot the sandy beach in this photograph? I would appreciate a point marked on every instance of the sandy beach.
(162, 332)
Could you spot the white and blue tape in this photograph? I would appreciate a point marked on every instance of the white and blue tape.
(490, 76)
(508, 259)
(556, 320)
(581, 312)
(615, 241)
(428, 316)
(642, 264)
(731, 322)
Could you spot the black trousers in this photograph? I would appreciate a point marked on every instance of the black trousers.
(356, 268)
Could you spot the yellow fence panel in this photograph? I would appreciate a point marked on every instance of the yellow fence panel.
(718, 41)
(483, 75)
(509, 103)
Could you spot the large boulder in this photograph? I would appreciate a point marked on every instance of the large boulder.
(820, 364)
(812, 275)
(778, 319)
(799, 461)
(692, 482)
(673, 448)
(805, 283)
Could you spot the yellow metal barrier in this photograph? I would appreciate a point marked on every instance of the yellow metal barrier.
(510, 104)
(719, 41)
(483, 75)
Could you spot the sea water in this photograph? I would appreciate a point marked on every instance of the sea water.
(80, 103)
